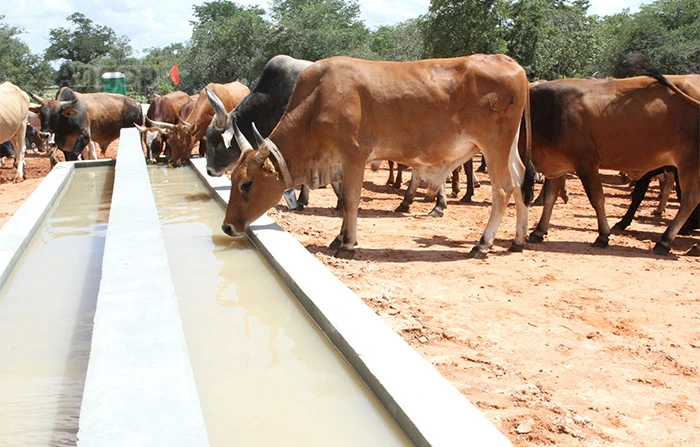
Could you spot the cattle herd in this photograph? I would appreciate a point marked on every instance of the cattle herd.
(310, 124)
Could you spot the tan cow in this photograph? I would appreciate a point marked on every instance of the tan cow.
(634, 125)
(14, 107)
(432, 115)
(192, 128)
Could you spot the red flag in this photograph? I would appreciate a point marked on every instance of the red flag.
(174, 75)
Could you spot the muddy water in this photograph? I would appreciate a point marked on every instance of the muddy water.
(46, 312)
(265, 374)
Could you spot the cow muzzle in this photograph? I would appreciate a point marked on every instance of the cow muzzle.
(44, 135)
(231, 230)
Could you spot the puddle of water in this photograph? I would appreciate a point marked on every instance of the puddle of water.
(266, 376)
(46, 312)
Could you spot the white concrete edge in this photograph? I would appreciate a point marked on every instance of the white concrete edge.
(20, 228)
(430, 410)
(139, 389)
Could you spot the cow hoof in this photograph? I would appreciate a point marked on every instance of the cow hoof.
(401, 208)
(436, 212)
(300, 207)
(516, 248)
(535, 237)
(620, 226)
(600, 242)
(453, 195)
(344, 253)
(466, 199)
(478, 252)
(337, 242)
(661, 249)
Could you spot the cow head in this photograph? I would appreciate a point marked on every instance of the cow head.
(256, 186)
(221, 153)
(51, 113)
(154, 139)
(179, 138)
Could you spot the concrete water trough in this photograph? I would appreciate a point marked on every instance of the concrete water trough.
(306, 362)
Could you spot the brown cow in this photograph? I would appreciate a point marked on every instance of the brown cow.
(183, 136)
(432, 115)
(14, 107)
(164, 109)
(633, 125)
(81, 119)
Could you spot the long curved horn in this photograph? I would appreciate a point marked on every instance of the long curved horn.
(242, 141)
(259, 140)
(221, 116)
(141, 128)
(36, 97)
(160, 124)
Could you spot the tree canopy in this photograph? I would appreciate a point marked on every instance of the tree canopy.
(229, 41)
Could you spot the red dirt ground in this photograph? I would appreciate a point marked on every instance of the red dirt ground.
(563, 344)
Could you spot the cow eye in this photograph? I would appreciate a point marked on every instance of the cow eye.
(245, 187)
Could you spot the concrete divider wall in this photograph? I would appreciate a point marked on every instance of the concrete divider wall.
(139, 390)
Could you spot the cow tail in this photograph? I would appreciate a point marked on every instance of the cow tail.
(528, 185)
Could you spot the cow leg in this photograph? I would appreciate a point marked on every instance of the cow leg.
(20, 148)
(390, 180)
(399, 175)
(303, 199)
(501, 189)
(666, 182)
(410, 194)
(472, 181)
(550, 188)
(346, 241)
(640, 189)
(455, 183)
(594, 190)
(690, 199)
(338, 190)
(441, 203)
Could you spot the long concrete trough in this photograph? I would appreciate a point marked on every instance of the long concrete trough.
(140, 389)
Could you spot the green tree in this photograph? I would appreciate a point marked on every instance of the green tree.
(316, 29)
(85, 42)
(228, 43)
(552, 38)
(400, 42)
(17, 64)
(667, 32)
(462, 27)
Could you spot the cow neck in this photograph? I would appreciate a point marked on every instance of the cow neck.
(281, 163)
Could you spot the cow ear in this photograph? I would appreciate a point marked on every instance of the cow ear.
(35, 109)
(69, 112)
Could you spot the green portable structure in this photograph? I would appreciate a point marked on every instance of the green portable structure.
(114, 82)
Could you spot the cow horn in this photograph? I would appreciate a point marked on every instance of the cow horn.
(64, 104)
(141, 128)
(259, 140)
(36, 97)
(241, 140)
(160, 124)
(221, 116)
(184, 123)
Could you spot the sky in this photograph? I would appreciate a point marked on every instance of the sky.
(158, 23)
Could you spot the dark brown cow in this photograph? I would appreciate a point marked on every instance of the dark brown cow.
(77, 119)
(633, 125)
(164, 109)
(193, 126)
(432, 115)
